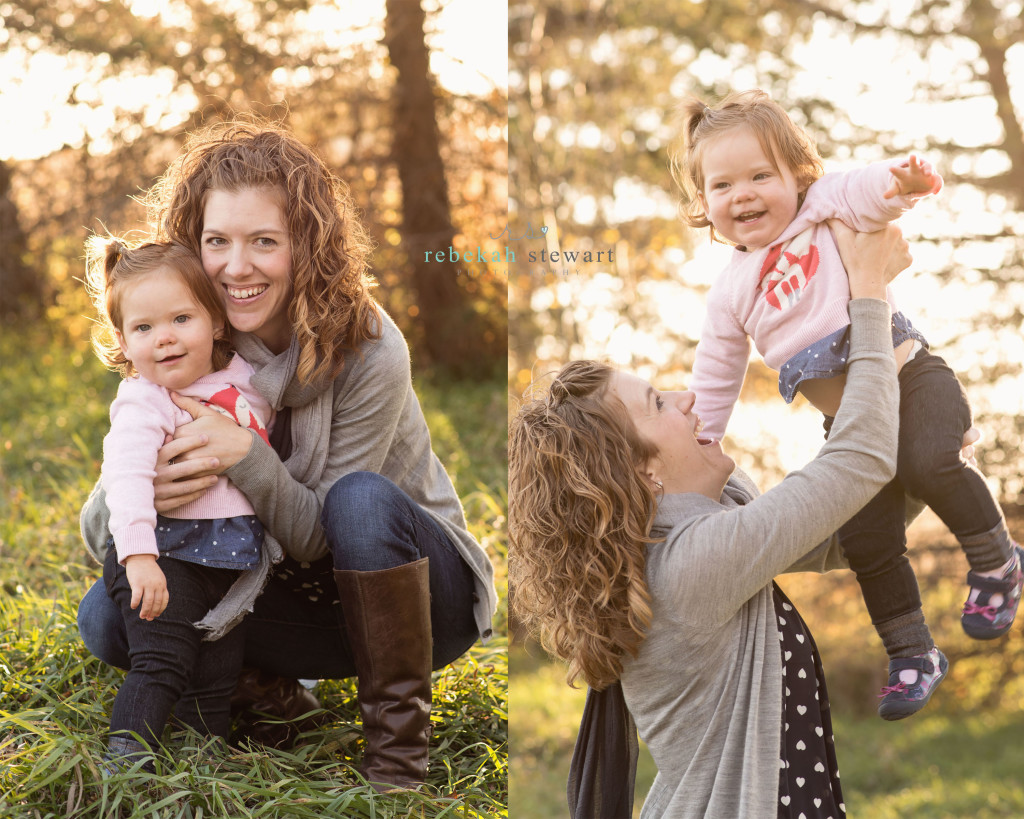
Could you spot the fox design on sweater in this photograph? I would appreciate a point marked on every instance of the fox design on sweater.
(787, 269)
(233, 404)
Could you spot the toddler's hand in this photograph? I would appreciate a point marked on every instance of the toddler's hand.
(914, 177)
(149, 586)
(971, 437)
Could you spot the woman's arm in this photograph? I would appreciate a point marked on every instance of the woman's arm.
(368, 405)
(723, 558)
(222, 423)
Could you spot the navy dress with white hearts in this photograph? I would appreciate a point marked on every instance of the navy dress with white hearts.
(808, 772)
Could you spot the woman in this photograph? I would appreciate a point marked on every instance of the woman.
(647, 562)
(380, 576)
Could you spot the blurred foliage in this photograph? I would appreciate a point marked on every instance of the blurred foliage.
(288, 59)
(591, 92)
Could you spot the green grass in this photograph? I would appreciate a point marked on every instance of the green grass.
(55, 697)
(936, 764)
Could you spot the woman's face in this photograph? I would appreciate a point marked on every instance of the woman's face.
(246, 250)
(684, 461)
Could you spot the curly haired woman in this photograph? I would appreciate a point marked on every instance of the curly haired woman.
(381, 577)
(646, 561)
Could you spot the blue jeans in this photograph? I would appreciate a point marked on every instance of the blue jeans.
(169, 660)
(934, 415)
(297, 628)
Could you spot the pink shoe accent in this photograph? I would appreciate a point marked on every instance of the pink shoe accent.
(988, 612)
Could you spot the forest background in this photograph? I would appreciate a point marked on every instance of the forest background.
(591, 90)
(407, 103)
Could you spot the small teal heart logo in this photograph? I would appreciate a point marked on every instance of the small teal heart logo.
(544, 229)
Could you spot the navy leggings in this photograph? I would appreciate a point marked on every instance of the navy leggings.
(934, 415)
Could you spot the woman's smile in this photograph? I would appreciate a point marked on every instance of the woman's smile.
(245, 293)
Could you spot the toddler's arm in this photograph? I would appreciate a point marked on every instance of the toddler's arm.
(148, 584)
(140, 417)
(915, 177)
(719, 368)
(868, 198)
(137, 429)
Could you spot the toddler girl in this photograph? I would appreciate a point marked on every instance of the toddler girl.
(199, 567)
(757, 181)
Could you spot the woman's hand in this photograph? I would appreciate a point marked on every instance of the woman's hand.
(227, 443)
(201, 450)
(179, 481)
(872, 260)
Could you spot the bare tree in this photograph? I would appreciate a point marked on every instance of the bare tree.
(427, 230)
(21, 291)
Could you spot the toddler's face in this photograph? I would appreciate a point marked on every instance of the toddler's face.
(165, 332)
(747, 200)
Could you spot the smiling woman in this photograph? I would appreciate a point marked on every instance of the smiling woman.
(381, 577)
(647, 562)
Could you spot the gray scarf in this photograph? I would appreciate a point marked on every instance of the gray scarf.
(312, 405)
(312, 410)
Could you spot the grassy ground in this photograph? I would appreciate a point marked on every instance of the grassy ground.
(55, 697)
(960, 757)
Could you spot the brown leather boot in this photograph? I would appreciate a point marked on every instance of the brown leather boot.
(259, 695)
(387, 614)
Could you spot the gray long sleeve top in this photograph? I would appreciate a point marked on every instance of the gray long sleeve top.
(706, 688)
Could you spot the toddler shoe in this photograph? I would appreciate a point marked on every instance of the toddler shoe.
(984, 621)
(901, 699)
(123, 754)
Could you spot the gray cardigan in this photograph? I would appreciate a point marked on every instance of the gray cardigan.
(706, 688)
(368, 419)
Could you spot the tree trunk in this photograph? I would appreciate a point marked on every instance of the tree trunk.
(22, 291)
(446, 317)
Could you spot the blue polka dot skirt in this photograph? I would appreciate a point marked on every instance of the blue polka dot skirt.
(221, 543)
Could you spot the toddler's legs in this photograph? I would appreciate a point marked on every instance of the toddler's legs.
(934, 415)
(205, 706)
(874, 541)
(164, 652)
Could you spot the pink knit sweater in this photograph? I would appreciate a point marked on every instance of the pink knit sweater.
(789, 295)
(141, 415)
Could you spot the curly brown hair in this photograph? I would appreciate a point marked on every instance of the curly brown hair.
(697, 124)
(112, 263)
(331, 310)
(580, 514)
